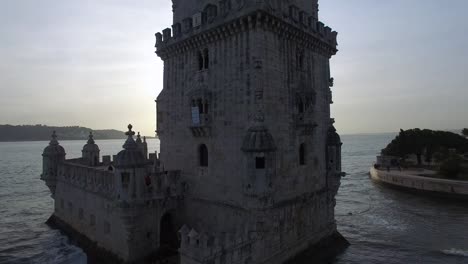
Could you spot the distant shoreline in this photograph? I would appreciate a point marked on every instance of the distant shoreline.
(30, 133)
(66, 139)
(61, 139)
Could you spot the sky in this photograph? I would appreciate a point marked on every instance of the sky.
(401, 64)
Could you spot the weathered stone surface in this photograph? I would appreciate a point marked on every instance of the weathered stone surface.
(250, 162)
(257, 75)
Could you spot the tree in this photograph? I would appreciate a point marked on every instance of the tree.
(419, 142)
(465, 132)
(451, 167)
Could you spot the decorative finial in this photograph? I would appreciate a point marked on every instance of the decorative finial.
(130, 132)
(130, 143)
(54, 140)
(138, 140)
(91, 138)
(144, 139)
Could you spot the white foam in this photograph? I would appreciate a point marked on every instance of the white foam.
(456, 252)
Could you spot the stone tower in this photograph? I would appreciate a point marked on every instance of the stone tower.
(90, 152)
(52, 157)
(245, 115)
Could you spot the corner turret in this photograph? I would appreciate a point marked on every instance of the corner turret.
(130, 156)
(260, 151)
(333, 151)
(142, 145)
(130, 169)
(53, 155)
(90, 152)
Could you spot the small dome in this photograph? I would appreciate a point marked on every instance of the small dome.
(54, 147)
(131, 156)
(91, 145)
(333, 139)
(258, 139)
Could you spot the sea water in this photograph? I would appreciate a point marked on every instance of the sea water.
(383, 225)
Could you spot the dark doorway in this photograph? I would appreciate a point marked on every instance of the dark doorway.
(169, 241)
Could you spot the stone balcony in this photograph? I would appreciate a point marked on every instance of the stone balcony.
(203, 127)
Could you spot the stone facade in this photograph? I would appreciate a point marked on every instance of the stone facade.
(250, 162)
(117, 205)
(246, 107)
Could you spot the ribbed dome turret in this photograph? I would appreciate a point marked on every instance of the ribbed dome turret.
(90, 145)
(258, 138)
(131, 156)
(333, 139)
(54, 147)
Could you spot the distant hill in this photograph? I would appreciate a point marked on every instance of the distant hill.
(10, 133)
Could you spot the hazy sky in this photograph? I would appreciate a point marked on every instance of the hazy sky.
(401, 64)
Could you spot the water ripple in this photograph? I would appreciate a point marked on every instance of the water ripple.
(383, 225)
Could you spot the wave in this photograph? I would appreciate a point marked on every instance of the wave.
(456, 252)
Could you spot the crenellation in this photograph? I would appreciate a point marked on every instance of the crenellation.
(106, 160)
(259, 19)
(167, 34)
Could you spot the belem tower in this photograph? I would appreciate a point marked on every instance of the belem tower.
(249, 161)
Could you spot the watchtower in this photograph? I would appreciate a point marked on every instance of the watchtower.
(245, 115)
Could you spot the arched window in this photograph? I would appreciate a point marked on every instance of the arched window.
(200, 106)
(300, 106)
(300, 59)
(200, 61)
(205, 108)
(203, 155)
(211, 12)
(206, 58)
(302, 153)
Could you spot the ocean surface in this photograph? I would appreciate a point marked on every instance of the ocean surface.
(383, 225)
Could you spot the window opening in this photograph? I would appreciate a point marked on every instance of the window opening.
(300, 106)
(200, 61)
(260, 162)
(205, 108)
(125, 177)
(302, 154)
(203, 155)
(206, 58)
(200, 106)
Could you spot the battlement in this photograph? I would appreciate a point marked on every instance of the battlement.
(209, 8)
(209, 26)
(98, 180)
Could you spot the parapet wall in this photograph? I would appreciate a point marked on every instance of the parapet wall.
(295, 21)
(100, 182)
(406, 180)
